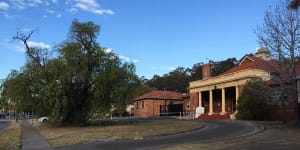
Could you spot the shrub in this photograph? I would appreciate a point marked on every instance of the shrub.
(253, 101)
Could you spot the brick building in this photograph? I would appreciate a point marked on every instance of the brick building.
(159, 103)
(219, 95)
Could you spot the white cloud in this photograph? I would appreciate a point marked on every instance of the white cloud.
(163, 68)
(171, 68)
(19, 4)
(72, 10)
(9, 16)
(124, 58)
(24, 4)
(4, 5)
(21, 48)
(54, 1)
(90, 6)
(38, 44)
(58, 15)
(51, 11)
(108, 50)
(71, 6)
(34, 3)
(135, 61)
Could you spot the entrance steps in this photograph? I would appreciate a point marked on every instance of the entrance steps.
(215, 116)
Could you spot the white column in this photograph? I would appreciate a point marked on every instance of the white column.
(223, 102)
(200, 99)
(236, 99)
(236, 93)
(211, 111)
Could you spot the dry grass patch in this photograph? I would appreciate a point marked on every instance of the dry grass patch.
(60, 136)
(10, 138)
(275, 137)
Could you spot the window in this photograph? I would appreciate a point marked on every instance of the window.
(142, 104)
(137, 105)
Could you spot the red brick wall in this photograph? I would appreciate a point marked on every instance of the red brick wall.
(151, 107)
(194, 101)
(277, 111)
(206, 71)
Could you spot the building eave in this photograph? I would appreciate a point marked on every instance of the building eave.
(235, 77)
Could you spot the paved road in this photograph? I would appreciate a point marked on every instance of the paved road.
(213, 130)
(3, 125)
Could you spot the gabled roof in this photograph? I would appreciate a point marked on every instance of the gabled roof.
(253, 62)
(161, 95)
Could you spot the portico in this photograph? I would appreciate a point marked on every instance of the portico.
(219, 100)
(220, 94)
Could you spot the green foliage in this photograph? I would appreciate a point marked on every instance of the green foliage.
(253, 102)
(196, 72)
(82, 81)
(178, 79)
(220, 67)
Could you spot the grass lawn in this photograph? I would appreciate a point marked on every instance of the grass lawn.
(60, 136)
(10, 138)
(275, 137)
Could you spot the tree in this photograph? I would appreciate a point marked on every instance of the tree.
(15, 91)
(220, 67)
(84, 79)
(280, 35)
(176, 80)
(196, 72)
(124, 89)
(94, 80)
(253, 102)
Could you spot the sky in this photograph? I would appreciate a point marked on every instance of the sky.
(156, 35)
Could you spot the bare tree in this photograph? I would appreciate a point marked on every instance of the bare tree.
(280, 33)
(37, 55)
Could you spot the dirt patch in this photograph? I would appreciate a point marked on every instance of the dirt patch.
(10, 138)
(60, 136)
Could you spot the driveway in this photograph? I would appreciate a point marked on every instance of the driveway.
(213, 130)
(3, 125)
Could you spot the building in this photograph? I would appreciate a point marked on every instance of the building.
(219, 95)
(159, 103)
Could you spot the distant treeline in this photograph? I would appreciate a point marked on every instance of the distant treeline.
(178, 79)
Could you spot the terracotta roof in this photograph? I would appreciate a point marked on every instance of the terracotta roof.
(252, 62)
(162, 95)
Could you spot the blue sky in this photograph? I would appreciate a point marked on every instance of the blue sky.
(156, 35)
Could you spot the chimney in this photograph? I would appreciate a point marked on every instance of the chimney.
(262, 53)
(206, 71)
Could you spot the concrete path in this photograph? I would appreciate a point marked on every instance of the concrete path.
(213, 130)
(32, 139)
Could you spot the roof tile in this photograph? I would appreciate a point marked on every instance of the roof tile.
(158, 94)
